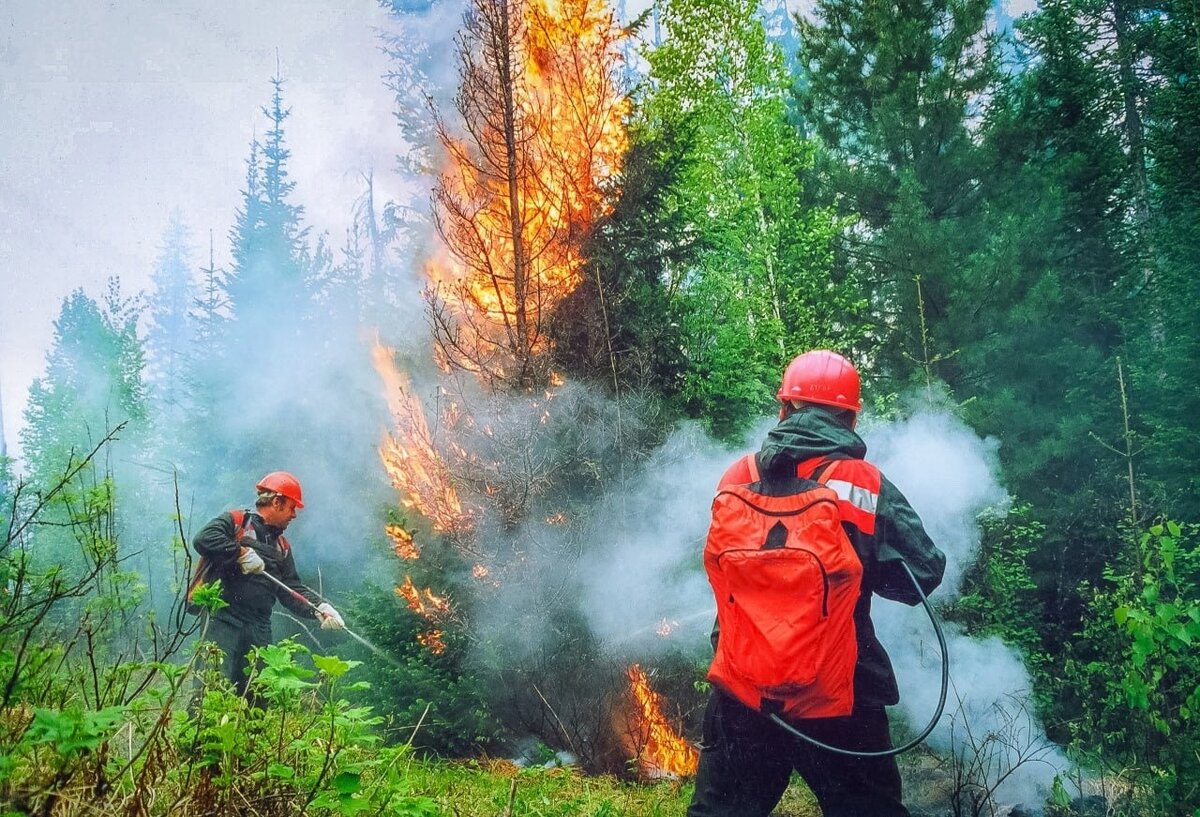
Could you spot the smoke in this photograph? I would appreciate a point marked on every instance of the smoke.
(949, 475)
(643, 568)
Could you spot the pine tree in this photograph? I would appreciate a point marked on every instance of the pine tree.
(542, 119)
(170, 331)
(891, 91)
(92, 384)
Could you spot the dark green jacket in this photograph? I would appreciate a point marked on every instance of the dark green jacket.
(816, 432)
(251, 596)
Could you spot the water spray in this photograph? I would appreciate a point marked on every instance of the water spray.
(708, 613)
(300, 597)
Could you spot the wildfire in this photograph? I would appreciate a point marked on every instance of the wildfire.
(409, 455)
(402, 542)
(430, 607)
(665, 627)
(513, 230)
(661, 751)
(432, 641)
(422, 602)
(480, 572)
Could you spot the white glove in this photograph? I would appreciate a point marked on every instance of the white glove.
(330, 618)
(251, 562)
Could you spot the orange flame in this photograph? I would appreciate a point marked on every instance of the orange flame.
(422, 602)
(409, 456)
(432, 641)
(666, 627)
(513, 245)
(662, 750)
(402, 542)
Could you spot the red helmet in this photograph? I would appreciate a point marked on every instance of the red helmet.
(822, 377)
(281, 482)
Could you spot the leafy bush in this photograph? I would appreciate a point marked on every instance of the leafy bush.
(428, 700)
(1138, 670)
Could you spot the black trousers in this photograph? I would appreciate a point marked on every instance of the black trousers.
(236, 636)
(746, 760)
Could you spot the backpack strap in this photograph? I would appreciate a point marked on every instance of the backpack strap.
(240, 522)
(752, 467)
(856, 482)
(816, 467)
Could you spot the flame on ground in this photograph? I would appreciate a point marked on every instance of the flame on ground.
(661, 751)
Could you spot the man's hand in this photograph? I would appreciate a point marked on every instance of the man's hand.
(330, 618)
(250, 561)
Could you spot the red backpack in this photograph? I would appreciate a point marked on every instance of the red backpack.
(787, 580)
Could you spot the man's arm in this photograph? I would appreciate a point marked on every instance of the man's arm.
(215, 542)
(901, 536)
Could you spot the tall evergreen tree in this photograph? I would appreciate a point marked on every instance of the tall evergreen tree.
(93, 382)
(170, 332)
(1162, 327)
(891, 92)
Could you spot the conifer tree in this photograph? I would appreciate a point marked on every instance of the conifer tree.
(170, 331)
(543, 127)
(891, 91)
(92, 383)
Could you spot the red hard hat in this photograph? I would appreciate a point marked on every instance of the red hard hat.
(823, 377)
(281, 482)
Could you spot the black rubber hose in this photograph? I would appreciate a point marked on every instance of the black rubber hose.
(941, 637)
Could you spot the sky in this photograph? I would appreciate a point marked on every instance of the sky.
(115, 114)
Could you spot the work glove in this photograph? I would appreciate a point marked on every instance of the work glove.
(250, 562)
(330, 618)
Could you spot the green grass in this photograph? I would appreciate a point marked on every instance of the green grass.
(486, 787)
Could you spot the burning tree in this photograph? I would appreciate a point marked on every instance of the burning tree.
(542, 130)
(501, 466)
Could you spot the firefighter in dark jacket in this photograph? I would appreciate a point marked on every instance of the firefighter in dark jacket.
(746, 759)
(239, 554)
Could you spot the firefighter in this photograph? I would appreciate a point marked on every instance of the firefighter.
(746, 759)
(239, 554)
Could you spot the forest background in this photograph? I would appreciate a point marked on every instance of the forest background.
(509, 393)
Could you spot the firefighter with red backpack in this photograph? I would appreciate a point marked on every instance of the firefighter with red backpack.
(248, 552)
(803, 534)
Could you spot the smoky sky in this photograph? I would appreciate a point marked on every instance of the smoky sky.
(115, 114)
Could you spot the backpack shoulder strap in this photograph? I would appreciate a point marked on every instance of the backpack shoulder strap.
(816, 468)
(241, 521)
(752, 467)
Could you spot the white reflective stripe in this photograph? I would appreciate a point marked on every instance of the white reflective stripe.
(856, 495)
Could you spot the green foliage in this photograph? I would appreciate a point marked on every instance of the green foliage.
(1138, 660)
(998, 595)
(754, 290)
(93, 381)
(432, 702)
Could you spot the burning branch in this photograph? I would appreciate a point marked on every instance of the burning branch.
(410, 457)
(544, 128)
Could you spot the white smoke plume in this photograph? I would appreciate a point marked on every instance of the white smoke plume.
(648, 537)
(949, 475)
